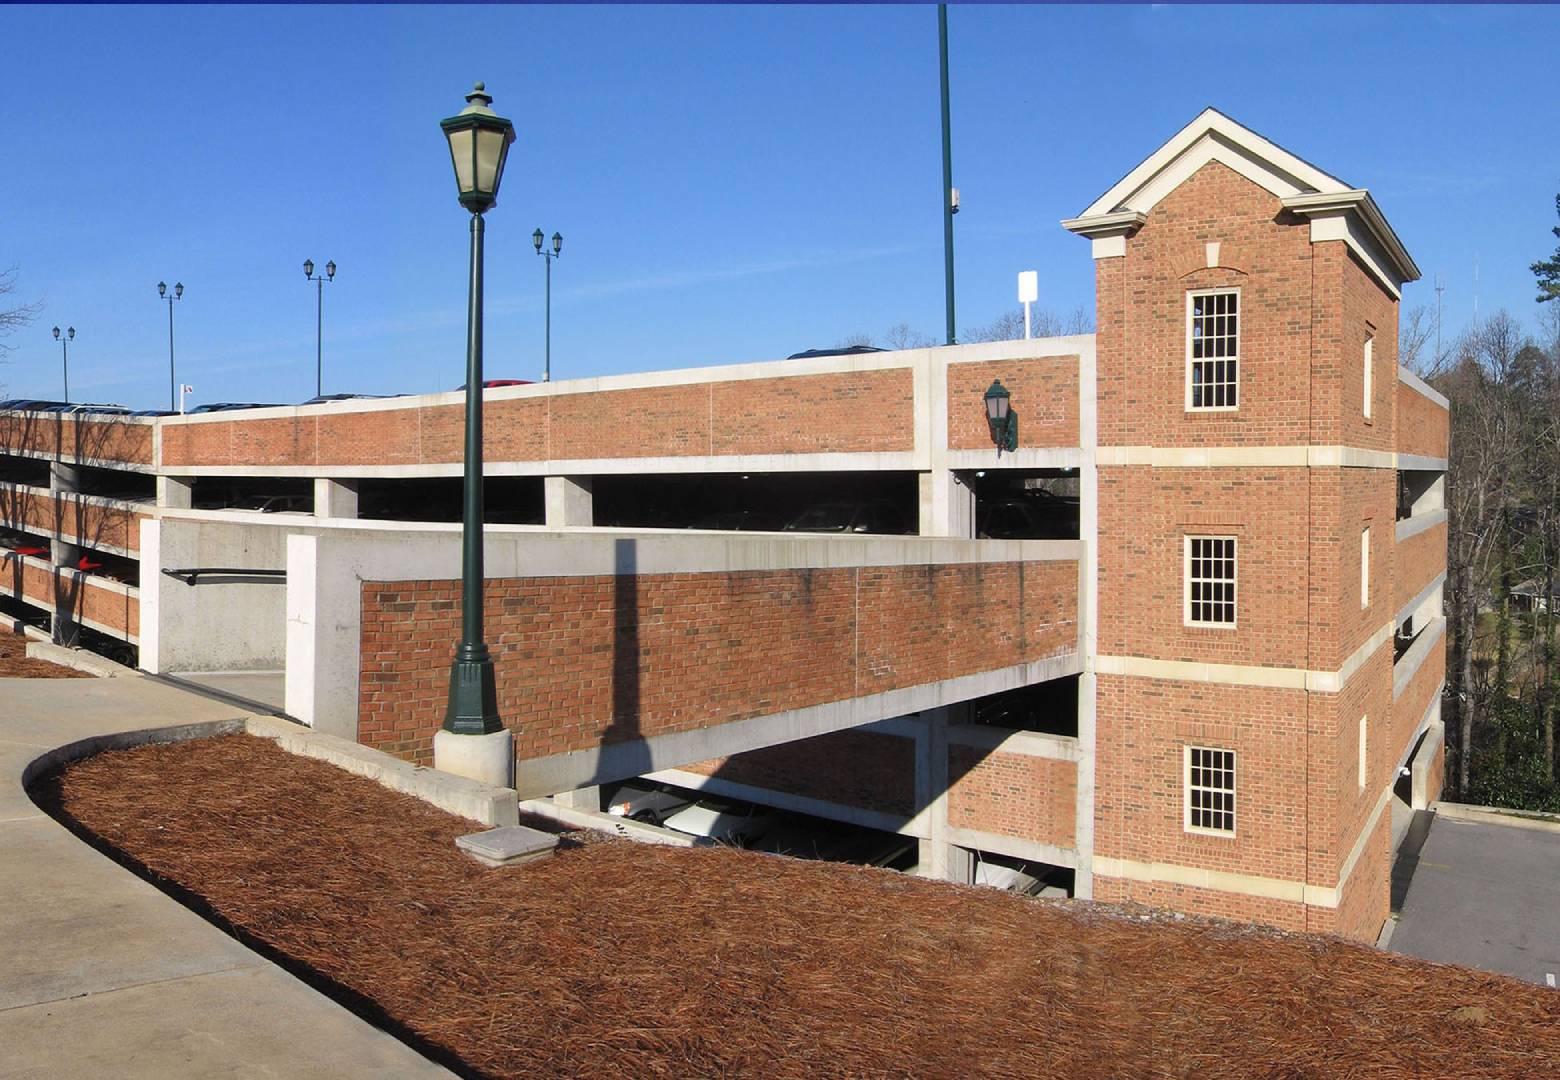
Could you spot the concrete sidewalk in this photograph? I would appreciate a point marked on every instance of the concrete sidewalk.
(103, 975)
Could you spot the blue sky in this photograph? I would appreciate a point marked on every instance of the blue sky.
(732, 183)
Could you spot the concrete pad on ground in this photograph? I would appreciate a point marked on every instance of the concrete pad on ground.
(255, 1021)
(1483, 895)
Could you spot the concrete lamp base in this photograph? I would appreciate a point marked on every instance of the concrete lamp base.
(487, 759)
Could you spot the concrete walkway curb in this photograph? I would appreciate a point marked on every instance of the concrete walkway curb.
(104, 975)
(495, 806)
(1497, 815)
(77, 660)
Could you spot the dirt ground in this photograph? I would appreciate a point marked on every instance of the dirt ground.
(15, 665)
(618, 959)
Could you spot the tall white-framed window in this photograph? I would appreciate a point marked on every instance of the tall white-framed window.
(1364, 730)
(1209, 581)
(1370, 357)
(1365, 567)
(1213, 350)
(1209, 785)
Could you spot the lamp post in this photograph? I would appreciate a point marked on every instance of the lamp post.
(557, 249)
(319, 315)
(70, 335)
(178, 294)
(473, 741)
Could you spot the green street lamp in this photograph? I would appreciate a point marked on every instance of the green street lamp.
(1001, 418)
(319, 316)
(479, 142)
(70, 335)
(557, 249)
(178, 294)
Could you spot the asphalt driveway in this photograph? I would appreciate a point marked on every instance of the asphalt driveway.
(1485, 896)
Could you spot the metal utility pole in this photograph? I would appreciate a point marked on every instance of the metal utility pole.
(319, 318)
(557, 250)
(69, 336)
(1439, 289)
(178, 294)
(947, 162)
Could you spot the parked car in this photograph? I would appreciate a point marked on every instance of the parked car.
(278, 504)
(848, 350)
(639, 800)
(154, 412)
(723, 822)
(741, 521)
(876, 516)
(1036, 517)
(230, 406)
(489, 384)
(321, 399)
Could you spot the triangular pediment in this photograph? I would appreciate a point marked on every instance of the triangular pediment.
(1212, 136)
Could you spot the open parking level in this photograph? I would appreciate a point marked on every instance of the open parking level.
(1484, 894)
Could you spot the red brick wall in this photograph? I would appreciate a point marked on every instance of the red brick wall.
(1045, 396)
(1368, 693)
(1366, 498)
(837, 412)
(1139, 770)
(1418, 560)
(92, 524)
(107, 441)
(1034, 798)
(1145, 514)
(592, 660)
(111, 608)
(1368, 312)
(1423, 426)
(1366, 901)
(863, 769)
(1284, 914)
(1142, 317)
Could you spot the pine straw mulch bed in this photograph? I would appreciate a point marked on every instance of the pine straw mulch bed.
(14, 663)
(619, 959)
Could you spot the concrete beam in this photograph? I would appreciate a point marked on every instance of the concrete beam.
(175, 493)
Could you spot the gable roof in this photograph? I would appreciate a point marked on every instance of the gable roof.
(1336, 210)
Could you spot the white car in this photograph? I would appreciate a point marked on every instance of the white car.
(722, 822)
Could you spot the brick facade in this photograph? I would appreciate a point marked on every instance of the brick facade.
(1017, 795)
(1045, 395)
(589, 661)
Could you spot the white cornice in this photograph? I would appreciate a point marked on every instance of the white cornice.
(1353, 217)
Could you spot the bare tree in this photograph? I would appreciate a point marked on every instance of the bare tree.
(1009, 326)
(13, 314)
(1486, 446)
(1416, 338)
(901, 336)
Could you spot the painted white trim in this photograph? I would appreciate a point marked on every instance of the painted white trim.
(1025, 457)
(1365, 568)
(1264, 457)
(1186, 583)
(1418, 523)
(1368, 231)
(1187, 787)
(1240, 318)
(1415, 383)
(1369, 364)
(1212, 136)
(1277, 678)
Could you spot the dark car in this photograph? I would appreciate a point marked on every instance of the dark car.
(1035, 517)
(154, 412)
(490, 384)
(851, 517)
(229, 406)
(847, 350)
(321, 399)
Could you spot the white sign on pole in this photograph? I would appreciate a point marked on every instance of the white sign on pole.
(1028, 293)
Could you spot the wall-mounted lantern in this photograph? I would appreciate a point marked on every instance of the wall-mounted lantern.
(1001, 418)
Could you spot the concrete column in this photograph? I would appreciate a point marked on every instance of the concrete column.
(176, 492)
(940, 858)
(335, 498)
(947, 504)
(64, 480)
(569, 501)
